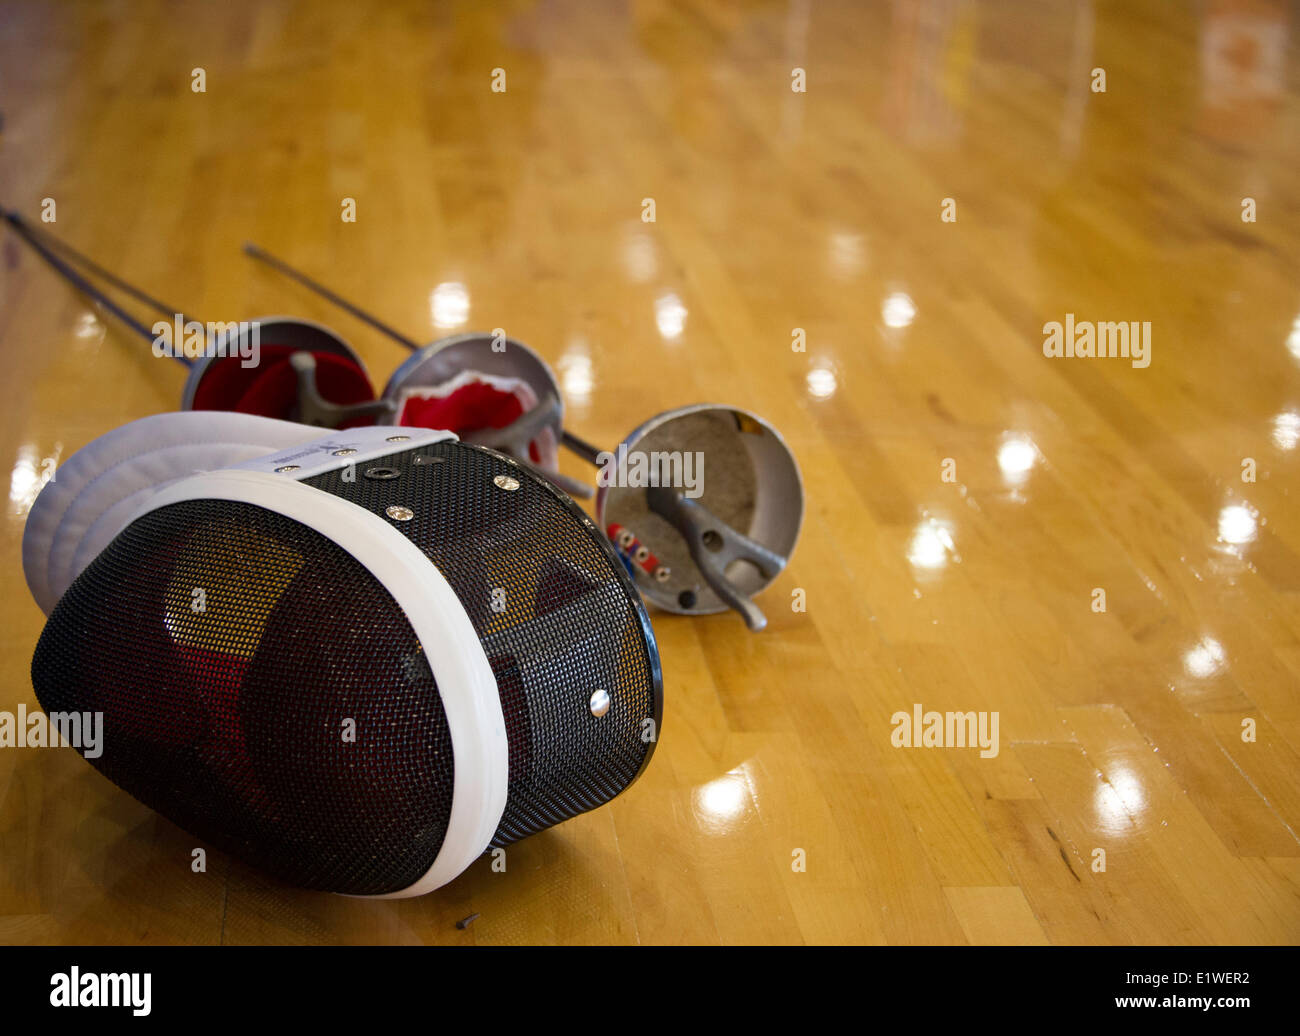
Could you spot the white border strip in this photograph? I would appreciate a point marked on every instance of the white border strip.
(320, 455)
(465, 680)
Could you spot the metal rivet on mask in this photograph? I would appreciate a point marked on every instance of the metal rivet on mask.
(662, 574)
(398, 438)
(399, 513)
(288, 467)
(382, 474)
(507, 482)
(599, 703)
(344, 453)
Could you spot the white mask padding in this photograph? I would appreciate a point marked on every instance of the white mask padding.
(97, 489)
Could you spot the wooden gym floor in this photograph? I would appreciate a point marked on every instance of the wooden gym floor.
(967, 496)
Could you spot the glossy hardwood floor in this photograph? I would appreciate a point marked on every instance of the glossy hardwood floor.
(966, 494)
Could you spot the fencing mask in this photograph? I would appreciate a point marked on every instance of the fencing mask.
(354, 661)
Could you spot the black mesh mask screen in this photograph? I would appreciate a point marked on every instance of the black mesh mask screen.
(227, 647)
(556, 613)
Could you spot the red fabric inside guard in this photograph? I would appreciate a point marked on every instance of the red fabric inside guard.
(271, 388)
(471, 407)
